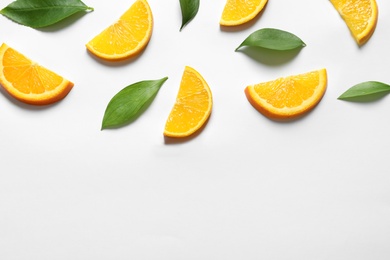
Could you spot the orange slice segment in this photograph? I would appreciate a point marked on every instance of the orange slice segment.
(192, 107)
(361, 17)
(29, 82)
(289, 97)
(126, 37)
(237, 12)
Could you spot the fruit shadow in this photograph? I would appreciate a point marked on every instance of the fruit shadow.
(26, 106)
(284, 121)
(270, 57)
(118, 63)
(289, 121)
(181, 140)
(68, 21)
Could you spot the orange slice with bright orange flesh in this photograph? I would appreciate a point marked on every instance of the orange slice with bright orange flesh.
(361, 17)
(237, 12)
(288, 97)
(126, 37)
(192, 107)
(29, 82)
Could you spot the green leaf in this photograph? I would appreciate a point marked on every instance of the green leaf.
(365, 89)
(273, 39)
(189, 9)
(41, 13)
(130, 102)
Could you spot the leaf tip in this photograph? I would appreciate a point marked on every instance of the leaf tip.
(91, 9)
(184, 24)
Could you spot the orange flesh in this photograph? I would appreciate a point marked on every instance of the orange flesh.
(238, 12)
(288, 92)
(125, 37)
(359, 15)
(289, 97)
(26, 76)
(29, 82)
(192, 106)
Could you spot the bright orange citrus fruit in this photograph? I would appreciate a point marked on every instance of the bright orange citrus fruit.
(29, 82)
(126, 37)
(237, 12)
(361, 17)
(192, 107)
(289, 97)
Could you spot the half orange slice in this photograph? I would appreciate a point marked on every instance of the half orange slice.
(126, 37)
(361, 17)
(192, 107)
(289, 97)
(237, 12)
(29, 82)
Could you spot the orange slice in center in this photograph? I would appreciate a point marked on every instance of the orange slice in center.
(192, 107)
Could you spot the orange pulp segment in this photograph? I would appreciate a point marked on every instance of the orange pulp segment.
(361, 17)
(29, 82)
(237, 12)
(192, 107)
(126, 37)
(289, 97)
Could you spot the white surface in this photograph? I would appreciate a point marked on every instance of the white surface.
(244, 188)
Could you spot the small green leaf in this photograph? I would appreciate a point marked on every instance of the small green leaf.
(189, 9)
(365, 89)
(273, 39)
(41, 13)
(130, 102)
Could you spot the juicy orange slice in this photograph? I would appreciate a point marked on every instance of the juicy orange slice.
(192, 107)
(126, 37)
(361, 17)
(289, 97)
(237, 12)
(29, 82)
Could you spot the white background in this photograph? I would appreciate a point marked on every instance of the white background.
(245, 188)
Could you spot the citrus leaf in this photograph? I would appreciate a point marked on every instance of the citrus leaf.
(189, 9)
(130, 102)
(39, 13)
(273, 39)
(365, 89)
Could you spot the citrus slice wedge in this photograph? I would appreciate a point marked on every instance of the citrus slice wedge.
(361, 17)
(237, 12)
(192, 107)
(126, 37)
(29, 82)
(289, 97)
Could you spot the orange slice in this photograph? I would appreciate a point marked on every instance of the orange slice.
(126, 37)
(237, 12)
(289, 97)
(29, 82)
(361, 17)
(192, 107)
